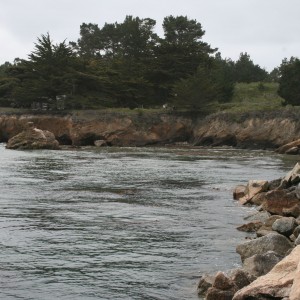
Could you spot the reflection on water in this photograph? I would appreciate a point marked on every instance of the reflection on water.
(128, 223)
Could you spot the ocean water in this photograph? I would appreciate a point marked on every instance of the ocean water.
(122, 223)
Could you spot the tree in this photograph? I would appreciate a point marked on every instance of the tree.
(246, 71)
(274, 75)
(289, 82)
(178, 54)
(48, 72)
(7, 84)
(89, 44)
(211, 84)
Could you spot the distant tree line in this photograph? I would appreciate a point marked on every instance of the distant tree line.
(128, 65)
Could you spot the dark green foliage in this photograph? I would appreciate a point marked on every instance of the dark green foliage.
(274, 75)
(212, 83)
(127, 65)
(246, 71)
(289, 82)
(48, 72)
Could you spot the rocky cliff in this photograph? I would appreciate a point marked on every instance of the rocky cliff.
(256, 130)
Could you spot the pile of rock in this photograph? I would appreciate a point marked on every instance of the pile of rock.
(270, 261)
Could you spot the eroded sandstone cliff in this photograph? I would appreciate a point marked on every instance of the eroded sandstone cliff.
(256, 130)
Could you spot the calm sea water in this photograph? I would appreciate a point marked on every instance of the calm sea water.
(121, 223)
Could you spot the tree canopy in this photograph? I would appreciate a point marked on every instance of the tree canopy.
(126, 64)
(289, 81)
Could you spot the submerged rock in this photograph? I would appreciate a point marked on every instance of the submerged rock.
(33, 138)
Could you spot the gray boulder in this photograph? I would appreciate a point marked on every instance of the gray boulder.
(285, 225)
(260, 264)
(271, 242)
(261, 216)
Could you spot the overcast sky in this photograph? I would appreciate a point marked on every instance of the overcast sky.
(267, 29)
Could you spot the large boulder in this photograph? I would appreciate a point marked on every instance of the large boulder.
(33, 138)
(282, 281)
(285, 225)
(279, 201)
(271, 242)
(260, 264)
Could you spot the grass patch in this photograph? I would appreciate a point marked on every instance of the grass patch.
(255, 96)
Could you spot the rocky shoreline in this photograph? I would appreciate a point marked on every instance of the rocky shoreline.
(253, 130)
(270, 261)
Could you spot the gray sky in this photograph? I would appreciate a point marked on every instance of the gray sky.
(267, 29)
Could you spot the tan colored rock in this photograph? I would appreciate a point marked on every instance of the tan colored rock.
(239, 192)
(250, 131)
(277, 283)
(293, 177)
(287, 147)
(100, 143)
(295, 291)
(253, 188)
(33, 138)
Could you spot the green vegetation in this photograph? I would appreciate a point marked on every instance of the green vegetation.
(255, 96)
(128, 66)
(289, 81)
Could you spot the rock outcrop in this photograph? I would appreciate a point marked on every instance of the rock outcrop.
(33, 138)
(113, 129)
(253, 130)
(141, 128)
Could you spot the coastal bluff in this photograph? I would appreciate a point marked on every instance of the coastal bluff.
(260, 130)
